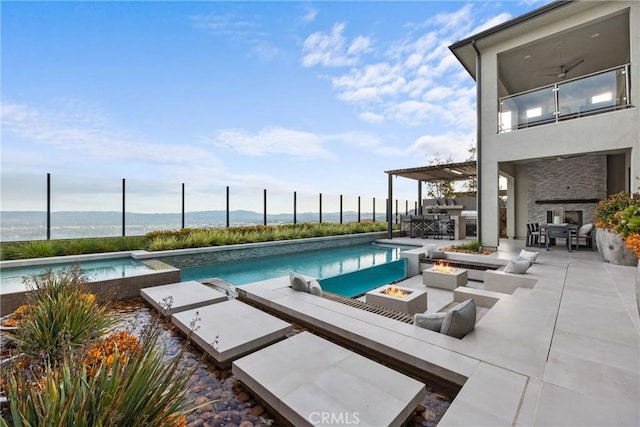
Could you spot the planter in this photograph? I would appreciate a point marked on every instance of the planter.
(612, 249)
(638, 288)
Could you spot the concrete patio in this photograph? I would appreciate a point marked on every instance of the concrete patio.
(565, 352)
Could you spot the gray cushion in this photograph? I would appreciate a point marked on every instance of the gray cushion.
(460, 320)
(434, 254)
(298, 282)
(518, 266)
(431, 321)
(315, 288)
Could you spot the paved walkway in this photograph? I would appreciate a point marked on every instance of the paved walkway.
(575, 336)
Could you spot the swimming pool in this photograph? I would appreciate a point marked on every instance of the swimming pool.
(323, 264)
(11, 278)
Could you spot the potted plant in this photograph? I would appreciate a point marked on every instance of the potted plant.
(616, 218)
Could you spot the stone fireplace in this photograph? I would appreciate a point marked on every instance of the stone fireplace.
(570, 217)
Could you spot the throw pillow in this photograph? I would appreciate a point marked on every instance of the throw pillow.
(315, 288)
(434, 254)
(431, 321)
(451, 202)
(518, 266)
(298, 282)
(460, 320)
(530, 255)
(584, 230)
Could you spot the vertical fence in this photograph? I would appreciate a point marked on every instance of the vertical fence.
(241, 207)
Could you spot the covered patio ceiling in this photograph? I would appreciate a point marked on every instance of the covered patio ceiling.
(437, 173)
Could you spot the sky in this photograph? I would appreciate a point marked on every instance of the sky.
(311, 97)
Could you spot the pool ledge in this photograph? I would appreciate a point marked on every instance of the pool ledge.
(490, 395)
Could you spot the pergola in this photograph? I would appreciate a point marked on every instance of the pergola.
(435, 173)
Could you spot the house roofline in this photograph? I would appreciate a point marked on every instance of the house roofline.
(511, 23)
(454, 48)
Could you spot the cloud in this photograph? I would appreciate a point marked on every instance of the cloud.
(371, 117)
(240, 31)
(83, 130)
(332, 49)
(310, 14)
(452, 144)
(227, 25)
(413, 80)
(270, 141)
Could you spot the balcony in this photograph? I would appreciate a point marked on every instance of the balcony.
(595, 93)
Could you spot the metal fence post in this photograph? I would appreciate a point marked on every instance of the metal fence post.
(48, 206)
(374, 209)
(123, 207)
(265, 207)
(358, 208)
(183, 205)
(320, 205)
(227, 206)
(341, 209)
(295, 207)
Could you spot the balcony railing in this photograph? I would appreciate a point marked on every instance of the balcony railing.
(595, 93)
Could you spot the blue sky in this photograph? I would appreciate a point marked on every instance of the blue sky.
(313, 97)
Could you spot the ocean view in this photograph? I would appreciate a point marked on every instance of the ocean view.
(32, 225)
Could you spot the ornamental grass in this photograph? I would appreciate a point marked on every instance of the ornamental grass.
(69, 372)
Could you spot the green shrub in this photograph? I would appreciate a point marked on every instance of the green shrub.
(184, 238)
(607, 211)
(34, 249)
(629, 220)
(61, 316)
(137, 386)
(471, 246)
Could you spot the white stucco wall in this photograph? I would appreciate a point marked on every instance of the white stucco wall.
(619, 130)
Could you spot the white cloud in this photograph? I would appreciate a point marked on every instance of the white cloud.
(330, 49)
(240, 31)
(271, 140)
(449, 144)
(414, 80)
(371, 117)
(310, 14)
(84, 131)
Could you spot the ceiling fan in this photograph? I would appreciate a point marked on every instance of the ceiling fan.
(565, 69)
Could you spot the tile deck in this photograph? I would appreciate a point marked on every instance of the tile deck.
(182, 296)
(306, 378)
(230, 329)
(564, 352)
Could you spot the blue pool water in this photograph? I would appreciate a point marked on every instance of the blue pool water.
(324, 264)
(11, 278)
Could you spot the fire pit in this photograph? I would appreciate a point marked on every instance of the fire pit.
(443, 276)
(398, 298)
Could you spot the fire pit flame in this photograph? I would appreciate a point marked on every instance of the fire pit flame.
(395, 292)
(443, 267)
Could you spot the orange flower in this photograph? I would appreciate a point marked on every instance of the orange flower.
(17, 316)
(633, 243)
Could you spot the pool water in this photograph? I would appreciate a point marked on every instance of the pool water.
(323, 264)
(11, 279)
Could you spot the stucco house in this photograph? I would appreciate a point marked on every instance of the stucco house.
(557, 111)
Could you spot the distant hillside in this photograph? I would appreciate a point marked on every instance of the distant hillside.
(192, 219)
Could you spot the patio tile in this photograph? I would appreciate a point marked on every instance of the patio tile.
(561, 407)
(607, 324)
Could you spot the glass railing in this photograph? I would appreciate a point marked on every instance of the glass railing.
(595, 93)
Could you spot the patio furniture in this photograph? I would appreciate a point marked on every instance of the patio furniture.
(456, 322)
(446, 227)
(533, 234)
(584, 234)
(558, 231)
